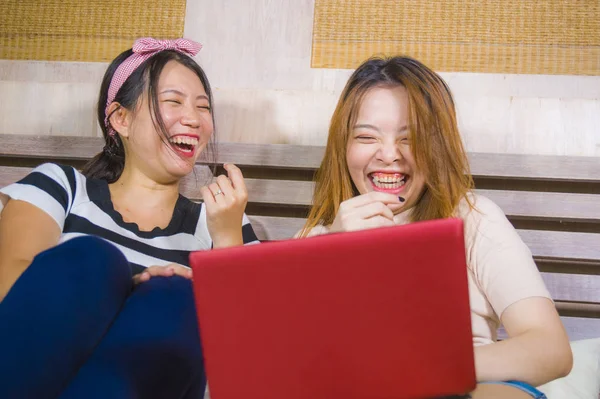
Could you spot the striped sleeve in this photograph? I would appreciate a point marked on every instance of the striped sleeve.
(50, 187)
(248, 234)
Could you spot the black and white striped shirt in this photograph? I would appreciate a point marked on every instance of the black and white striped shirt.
(83, 206)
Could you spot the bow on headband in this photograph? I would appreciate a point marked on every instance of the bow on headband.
(143, 49)
(149, 45)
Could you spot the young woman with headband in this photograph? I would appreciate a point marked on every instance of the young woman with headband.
(94, 285)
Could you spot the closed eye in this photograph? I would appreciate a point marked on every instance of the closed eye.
(173, 101)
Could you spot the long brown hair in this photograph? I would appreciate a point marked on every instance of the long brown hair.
(433, 131)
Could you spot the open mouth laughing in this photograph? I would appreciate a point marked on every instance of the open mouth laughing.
(185, 145)
(388, 182)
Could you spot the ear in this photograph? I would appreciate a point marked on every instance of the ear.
(119, 118)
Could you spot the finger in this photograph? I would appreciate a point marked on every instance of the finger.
(162, 271)
(365, 199)
(182, 271)
(386, 198)
(237, 178)
(395, 208)
(377, 221)
(225, 186)
(372, 210)
(216, 192)
(141, 278)
(207, 196)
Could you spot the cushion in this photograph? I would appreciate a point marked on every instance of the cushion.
(584, 380)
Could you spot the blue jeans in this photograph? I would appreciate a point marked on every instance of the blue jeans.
(72, 326)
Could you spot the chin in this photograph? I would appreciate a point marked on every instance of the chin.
(180, 170)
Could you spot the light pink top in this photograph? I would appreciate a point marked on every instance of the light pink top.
(501, 270)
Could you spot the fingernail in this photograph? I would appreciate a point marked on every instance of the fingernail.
(401, 199)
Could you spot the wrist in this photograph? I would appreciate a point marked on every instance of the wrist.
(229, 240)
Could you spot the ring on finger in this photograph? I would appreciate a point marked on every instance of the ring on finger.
(218, 192)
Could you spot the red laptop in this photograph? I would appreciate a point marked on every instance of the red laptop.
(377, 314)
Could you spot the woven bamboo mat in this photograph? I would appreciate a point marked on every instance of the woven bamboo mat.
(83, 30)
(505, 36)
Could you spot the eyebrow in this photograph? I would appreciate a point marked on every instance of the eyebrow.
(201, 96)
(372, 127)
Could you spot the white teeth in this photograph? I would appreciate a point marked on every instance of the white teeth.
(388, 185)
(388, 181)
(184, 140)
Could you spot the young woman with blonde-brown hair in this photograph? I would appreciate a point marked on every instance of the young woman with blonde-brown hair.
(394, 156)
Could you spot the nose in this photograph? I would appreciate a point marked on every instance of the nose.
(191, 116)
(389, 153)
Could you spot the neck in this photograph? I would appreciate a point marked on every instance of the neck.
(135, 188)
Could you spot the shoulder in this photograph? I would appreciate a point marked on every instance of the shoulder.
(52, 178)
(50, 187)
(56, 171)
(477, 207)
(489, 234)
(48, 173)
(480, 214)
(487, 229)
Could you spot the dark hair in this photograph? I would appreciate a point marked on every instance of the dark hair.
(109, 163)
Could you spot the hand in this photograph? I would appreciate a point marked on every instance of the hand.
(366, 211)
(225, 202)
(172, 269)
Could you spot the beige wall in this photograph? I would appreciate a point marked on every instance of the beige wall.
(257, 56)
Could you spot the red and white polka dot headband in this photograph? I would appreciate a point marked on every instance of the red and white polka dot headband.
(143, 49)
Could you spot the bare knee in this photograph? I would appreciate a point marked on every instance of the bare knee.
(498, 391)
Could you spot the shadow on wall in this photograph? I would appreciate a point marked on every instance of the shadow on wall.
(262, 116)
(245, 116)
(242, 118)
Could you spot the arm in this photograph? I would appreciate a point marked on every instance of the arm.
(537, 350)
(225, 221)
(225, 202)
(25, 231)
